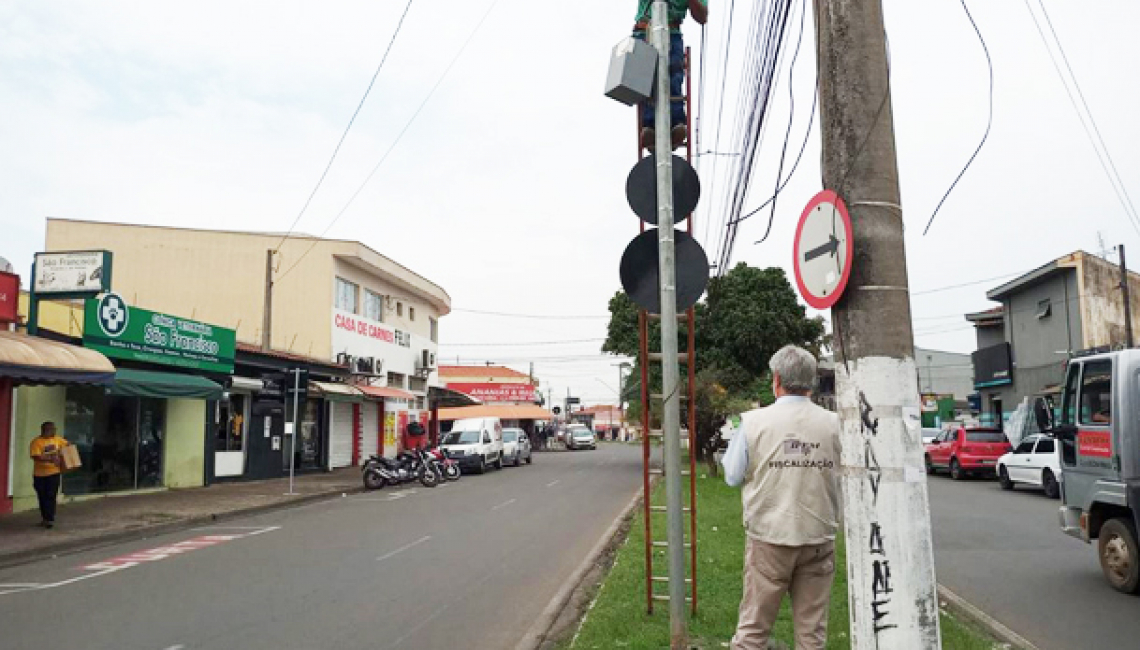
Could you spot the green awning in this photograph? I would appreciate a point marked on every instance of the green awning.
(145, 383)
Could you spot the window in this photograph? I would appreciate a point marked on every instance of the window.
(985, 436)
(373, 306)
(1044, 308)
(434, 325)
(346, 296)
(400, 309)
(421, 403)
(1025, 447)
(230, 425)
(1045, 446)
(1068, 404)
(119, 440)
(411, 313)
(1096, 394)
(395, 380)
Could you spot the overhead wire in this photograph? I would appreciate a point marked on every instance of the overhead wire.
(989, 119)
(399, 137)
(714, 178)
(351, 121)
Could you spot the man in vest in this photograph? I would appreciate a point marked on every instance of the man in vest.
(678, 9)
(787, 457)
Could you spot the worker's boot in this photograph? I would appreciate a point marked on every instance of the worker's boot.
(679, 133)
(648, 138)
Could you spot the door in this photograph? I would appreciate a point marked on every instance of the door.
(1042, 459)
(265, 440)
(1019, 463)
(369, 430)
(340, 434)
(1087, 456)
(940, 452)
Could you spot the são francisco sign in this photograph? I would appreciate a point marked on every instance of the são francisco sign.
(112, 327)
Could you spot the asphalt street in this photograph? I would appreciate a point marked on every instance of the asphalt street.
(467, 565)
(1005, 553)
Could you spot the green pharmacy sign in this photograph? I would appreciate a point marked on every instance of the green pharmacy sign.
(117, 330)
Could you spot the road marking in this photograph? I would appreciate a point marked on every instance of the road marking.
(176, 647)
(554, 482)
(404, 548)
(504, 504)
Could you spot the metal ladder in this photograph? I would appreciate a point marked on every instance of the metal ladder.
(688, 402)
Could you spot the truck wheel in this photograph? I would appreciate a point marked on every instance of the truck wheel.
(499, 461)
(482, 467)
(1003, 478)
(956, 472)
(1118, 555)
(1049, 482)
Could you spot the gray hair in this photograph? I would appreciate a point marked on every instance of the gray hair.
(796, 368)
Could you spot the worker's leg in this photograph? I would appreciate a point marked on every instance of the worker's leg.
(767, 573)
(811, 595)
(677, 79)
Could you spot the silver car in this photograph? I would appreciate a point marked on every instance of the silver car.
(516, 447)
(580, 437)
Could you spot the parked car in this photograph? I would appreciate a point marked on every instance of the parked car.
(580, 437)
(1036, 461)
(966, 450)
(475, 443)
(516, 447)
(929, 434)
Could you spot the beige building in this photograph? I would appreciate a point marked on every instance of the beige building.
(332, 299)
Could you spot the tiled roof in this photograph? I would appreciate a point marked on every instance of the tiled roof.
(481, 371)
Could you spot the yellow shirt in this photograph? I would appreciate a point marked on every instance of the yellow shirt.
(40, 446)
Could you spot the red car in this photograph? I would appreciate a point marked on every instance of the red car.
(965, 451)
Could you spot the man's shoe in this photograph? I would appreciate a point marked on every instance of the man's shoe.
(49, 524)
(648, 138)
(679, 133)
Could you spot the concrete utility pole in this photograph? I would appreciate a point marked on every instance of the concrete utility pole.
(1127, 296)
(891, 583)
(267, 316)
(671, 419)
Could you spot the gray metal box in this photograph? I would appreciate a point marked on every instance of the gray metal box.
(633, 68)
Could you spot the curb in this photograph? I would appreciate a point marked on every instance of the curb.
(536, 635)
(80, 545)
(960, 607)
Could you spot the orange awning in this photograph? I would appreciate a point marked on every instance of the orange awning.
(382, 392)
(501, 411)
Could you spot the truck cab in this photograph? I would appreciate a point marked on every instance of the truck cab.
(1098, 430)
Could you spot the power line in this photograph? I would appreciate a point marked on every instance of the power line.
(521, 343)
(536, 316)
(989, 119)
(395, 142)
(348, 128)
(1114, 179)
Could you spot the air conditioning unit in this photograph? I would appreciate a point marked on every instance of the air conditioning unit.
(427, 359)
(344, 359)
(364, 366)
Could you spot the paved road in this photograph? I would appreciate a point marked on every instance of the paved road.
(469, 565)
(1004, 552)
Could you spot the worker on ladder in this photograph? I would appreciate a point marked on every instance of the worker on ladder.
(678, 9)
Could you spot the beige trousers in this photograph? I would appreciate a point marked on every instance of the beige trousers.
(805, 572)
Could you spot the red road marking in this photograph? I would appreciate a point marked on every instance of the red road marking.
(163, 552)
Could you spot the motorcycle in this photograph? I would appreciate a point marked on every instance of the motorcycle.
(407, 466)
(447, 468)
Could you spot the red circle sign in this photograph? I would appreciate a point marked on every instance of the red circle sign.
(823, 250)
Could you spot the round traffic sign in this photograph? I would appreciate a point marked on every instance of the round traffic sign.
(640, 277)
(823, 250)
(641, 189)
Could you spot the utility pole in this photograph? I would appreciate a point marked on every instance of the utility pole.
(267, 316)
(891, 582)
(1126, 294)
(671, 419)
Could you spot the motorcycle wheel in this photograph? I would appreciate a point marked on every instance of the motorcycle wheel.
(428, 478)
(373, 480)
(451, 472)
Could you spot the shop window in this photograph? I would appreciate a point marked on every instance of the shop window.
(231, 424)
(373, 306)
(434, 325)
(307, 453)
(119, 439)
(347, 295)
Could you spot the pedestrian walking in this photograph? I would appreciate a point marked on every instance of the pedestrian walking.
(786, 457)
(45, 452)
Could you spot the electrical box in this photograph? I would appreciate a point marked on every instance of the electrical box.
(633, 68)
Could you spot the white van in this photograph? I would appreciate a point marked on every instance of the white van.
(475, 443)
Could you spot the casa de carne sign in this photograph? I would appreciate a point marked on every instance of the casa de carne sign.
(117, 330)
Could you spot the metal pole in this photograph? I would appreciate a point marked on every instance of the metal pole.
(1127, 299)
(674, 499)
(267, 316)
(890, 558)
(296, 428)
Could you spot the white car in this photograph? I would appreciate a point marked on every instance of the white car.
(929, 434)
(516, 447)
(580, 437)
(1036, 461)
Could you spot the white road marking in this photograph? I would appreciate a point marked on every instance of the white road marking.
(554, 482)
(504, 504)
(404, 548)
(176, 647)
(53, 585)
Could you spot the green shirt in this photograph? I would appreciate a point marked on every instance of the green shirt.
(678, 10)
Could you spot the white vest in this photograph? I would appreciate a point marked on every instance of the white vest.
(791, 489)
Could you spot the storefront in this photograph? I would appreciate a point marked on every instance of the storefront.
(29, 366)
(390, 406)
(525, 416)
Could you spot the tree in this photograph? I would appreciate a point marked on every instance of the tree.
(747, 314)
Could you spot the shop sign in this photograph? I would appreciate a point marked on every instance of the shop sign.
(117, 330)
(497, 392)
(9, 297)
(992, 366)
(370, 330)
(75, 273)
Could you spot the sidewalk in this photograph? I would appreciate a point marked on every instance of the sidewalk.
(98, 522)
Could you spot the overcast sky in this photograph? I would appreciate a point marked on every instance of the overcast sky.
(508, 187)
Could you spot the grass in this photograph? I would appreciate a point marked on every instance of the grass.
(617, 617)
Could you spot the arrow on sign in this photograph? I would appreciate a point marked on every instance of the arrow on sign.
(831, 247)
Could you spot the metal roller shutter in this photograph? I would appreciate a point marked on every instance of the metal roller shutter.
(370, 430)
(340, 435)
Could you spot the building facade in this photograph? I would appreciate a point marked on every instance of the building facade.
(1071, 304)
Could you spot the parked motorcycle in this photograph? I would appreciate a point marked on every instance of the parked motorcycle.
(448, 468)
(415, 465)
